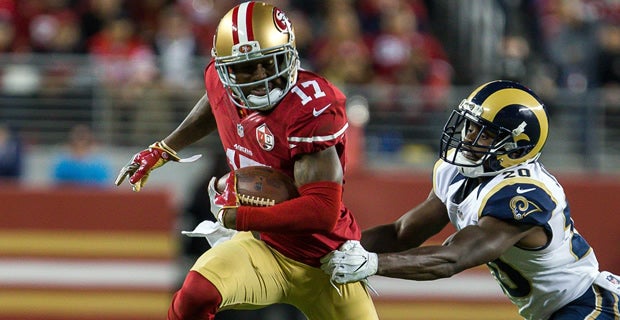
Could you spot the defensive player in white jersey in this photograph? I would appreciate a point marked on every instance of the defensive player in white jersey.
(511, 214)
(267, 111)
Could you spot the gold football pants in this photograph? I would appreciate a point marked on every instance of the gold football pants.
(250, 275)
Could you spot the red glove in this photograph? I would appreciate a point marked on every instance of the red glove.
(143, 162)
(225, 200)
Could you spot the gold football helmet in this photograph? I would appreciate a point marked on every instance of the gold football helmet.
(249, 34)
(507, 111)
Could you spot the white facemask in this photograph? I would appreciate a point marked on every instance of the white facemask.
(268, 99)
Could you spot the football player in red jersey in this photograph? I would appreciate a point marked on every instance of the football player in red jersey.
(270, 112)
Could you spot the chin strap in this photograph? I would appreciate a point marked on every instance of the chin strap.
(267, 100)
(471, 169)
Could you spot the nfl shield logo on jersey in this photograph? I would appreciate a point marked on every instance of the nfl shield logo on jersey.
(240, 130)
(265, 137)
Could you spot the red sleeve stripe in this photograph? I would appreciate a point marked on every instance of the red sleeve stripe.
(293, 140)
(242, 23)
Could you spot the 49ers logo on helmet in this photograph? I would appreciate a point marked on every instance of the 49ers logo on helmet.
(265, 138)
(280, 20)
(245, 48)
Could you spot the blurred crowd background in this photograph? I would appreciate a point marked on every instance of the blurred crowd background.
(84, 84)
(130, 70)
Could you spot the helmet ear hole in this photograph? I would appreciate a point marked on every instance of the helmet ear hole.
(515, 154)
(519, 152)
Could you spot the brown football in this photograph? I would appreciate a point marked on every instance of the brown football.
(261, 186)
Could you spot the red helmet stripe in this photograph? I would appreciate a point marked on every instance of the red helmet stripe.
(235, 26)
(248, 21)
(242, 23)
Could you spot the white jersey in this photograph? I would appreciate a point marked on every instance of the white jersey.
(539, 281)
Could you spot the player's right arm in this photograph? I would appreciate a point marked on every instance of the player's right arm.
(198, 123)
(471, 246)
(410, 230)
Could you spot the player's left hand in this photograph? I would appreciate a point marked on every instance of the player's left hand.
(226, 200)
(350, 263)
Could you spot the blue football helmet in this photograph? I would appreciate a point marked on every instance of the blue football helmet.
(508, 112)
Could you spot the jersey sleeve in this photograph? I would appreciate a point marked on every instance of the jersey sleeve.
(320, 123)
(527, 203)
(213, 86)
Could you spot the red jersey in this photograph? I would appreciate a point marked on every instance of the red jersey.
(310, 117)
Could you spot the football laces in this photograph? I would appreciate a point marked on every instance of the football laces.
(255, 201)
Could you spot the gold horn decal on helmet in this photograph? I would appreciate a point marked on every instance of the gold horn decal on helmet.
(522, 137)
(518, 133)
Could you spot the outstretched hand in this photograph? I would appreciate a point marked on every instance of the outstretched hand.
(350, 263)
(145, 161)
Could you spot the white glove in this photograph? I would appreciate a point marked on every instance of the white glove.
(221, 201)
(214, 232)
(350, 263)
